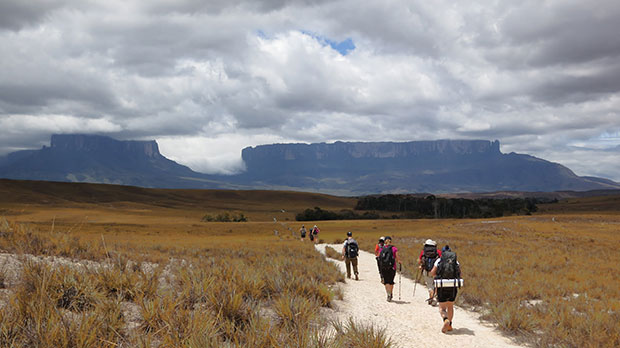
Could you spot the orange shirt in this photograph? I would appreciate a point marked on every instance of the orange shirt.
(378, 248)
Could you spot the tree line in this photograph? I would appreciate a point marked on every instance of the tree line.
(439, 207)
(398, 206)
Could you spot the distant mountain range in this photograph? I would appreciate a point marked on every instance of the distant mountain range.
(343, 168)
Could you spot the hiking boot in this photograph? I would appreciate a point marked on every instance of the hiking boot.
(349, 276)
(446, 325)
(356, 277)
(389, 297)
(450, 327)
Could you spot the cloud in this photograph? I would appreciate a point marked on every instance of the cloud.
(208, 78)
(15, 14)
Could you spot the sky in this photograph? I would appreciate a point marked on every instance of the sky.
(207, 78)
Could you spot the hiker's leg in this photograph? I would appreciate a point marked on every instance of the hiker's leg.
(443, 310)
(450, 310)
(347, 262)
(354, 263)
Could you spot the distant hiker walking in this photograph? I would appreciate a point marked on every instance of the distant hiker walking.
(388, 258)
(447, 273)
(428, 256)
(350, 250)
(378, 248)
(314, 234)
(302, 232)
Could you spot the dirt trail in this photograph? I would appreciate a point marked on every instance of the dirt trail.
(413, 323)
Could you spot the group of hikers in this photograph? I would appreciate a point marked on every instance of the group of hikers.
(313, 233)
(440, 269)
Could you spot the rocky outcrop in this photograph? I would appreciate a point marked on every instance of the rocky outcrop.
(98, 143)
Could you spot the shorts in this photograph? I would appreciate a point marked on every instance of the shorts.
(429, 280)
(303, 235)
(446, 294)
(388, 276)
(311, 236)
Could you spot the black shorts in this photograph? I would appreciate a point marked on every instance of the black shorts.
(446, 294)
(303, 235)
(388, 276)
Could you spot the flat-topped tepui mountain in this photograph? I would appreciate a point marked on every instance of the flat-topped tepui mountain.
(345, 168)
(97, 159)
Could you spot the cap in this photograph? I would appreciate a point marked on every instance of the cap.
(382, 238)
(388, 237)
(430, 242)
(349, 234)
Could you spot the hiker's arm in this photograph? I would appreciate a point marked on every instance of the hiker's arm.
(433, 271)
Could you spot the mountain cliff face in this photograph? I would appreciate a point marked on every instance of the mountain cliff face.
(353, 168)
(418, 166)
(94, 158)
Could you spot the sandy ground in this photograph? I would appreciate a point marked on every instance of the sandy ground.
(413, 323)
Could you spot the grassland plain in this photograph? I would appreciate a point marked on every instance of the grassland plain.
(62, 291)
(552, 278)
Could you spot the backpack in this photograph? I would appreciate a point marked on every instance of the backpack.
(386, 258)
(429, 257)
(352, 249)
(447, 267)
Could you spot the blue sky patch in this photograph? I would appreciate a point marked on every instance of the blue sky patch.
(343, 47)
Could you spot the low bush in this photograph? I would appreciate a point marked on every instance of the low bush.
(225, 217)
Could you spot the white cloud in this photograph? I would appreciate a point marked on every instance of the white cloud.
(208, 78)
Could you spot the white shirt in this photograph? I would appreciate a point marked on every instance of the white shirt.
(439, 259)
(346, 241)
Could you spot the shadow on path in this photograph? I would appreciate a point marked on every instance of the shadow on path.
(462, 331)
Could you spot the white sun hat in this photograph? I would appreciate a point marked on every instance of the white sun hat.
(430, 242)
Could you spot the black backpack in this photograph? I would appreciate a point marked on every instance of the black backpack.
(386, 258)
(352, 249)
(448, 267)
(429, 257)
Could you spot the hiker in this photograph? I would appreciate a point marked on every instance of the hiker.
(446, 268)
(378, 248)
(314, 234)
(302, 231)
(350, 250)
(388, 258)
(426, 262)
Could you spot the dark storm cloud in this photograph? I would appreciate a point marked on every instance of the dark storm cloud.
(563, 32)
(20, 98)
(15, 14)
(217, 6)
(579, 89)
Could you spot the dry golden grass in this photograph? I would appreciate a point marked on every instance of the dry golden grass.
(551, 278)
(208, 296)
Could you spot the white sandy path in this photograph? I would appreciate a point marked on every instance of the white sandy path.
(413, 322)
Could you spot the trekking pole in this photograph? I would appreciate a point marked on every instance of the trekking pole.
(416, 280)
(400, 277)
